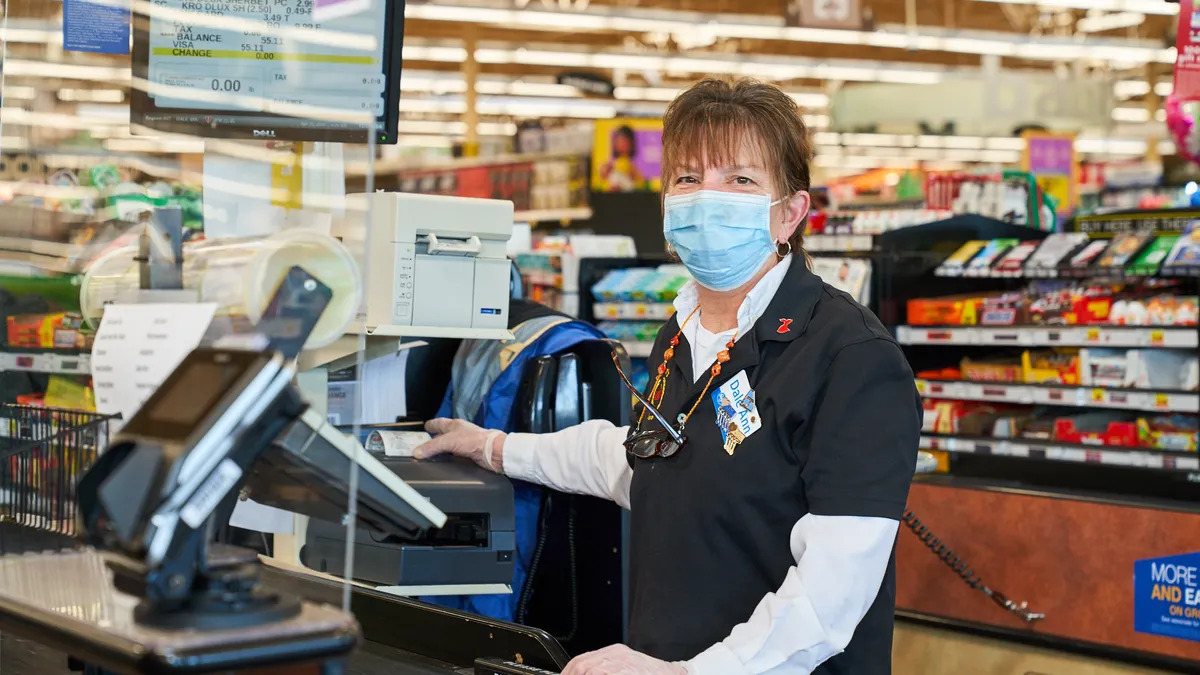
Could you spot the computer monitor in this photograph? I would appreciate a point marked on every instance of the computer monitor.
(266, 70)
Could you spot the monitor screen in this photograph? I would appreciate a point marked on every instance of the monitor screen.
(265, 69)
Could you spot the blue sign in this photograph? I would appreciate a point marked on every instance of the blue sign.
(96, 26)
(1166, 596)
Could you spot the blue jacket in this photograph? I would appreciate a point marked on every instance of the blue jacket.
(554, 334)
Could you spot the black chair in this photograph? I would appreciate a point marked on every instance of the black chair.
(575, 587)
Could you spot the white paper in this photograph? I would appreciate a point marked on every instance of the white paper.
(137, 347)
(382, 389)
(250, 515)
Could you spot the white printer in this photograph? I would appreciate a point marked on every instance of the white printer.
(431, 261)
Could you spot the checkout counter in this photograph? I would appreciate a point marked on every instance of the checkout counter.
(162, 598)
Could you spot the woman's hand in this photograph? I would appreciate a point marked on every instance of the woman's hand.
(459, 437)
(620, 660)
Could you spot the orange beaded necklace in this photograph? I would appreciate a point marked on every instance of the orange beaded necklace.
(660, 379)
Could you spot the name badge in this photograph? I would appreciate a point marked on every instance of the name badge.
(737, 412)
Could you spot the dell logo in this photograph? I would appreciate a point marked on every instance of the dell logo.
(264, 133)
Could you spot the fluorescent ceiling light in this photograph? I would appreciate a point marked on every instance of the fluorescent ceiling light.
(697, 63)
(1128, 114)
(757, 27)
(91, 95)
(1097, 23)
(1159, 7)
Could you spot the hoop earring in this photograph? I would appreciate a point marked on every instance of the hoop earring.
(785, 252)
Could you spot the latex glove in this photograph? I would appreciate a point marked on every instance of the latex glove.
(620, 660)
(485, 447)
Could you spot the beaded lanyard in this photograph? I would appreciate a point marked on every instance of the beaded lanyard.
(660, 380)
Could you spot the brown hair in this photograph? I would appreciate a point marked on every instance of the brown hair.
(714, 115)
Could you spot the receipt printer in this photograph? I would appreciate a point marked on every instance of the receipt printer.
(476, 545)
(431, 261)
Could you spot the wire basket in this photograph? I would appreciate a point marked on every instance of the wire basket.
(43, 452)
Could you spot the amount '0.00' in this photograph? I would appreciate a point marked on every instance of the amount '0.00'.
(226, 85)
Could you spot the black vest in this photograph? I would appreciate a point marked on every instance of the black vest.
(710, 531)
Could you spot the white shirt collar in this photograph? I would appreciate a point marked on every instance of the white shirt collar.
(753, 307)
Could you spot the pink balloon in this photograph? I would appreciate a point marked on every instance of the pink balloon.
(1182, 126)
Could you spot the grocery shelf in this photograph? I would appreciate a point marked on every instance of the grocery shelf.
(650, 311)
(1065, 452)
(1062, 395)
(1051, 336)
(61, 362)
(839, 243)
(638, 350)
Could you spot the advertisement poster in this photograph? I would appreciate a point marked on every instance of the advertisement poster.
(1187, 58)
(1051, 159)
(1166, 596)
(627, 155)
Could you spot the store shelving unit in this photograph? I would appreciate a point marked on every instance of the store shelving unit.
(47, 361)
(1162, 460)
(1049, 336)
(1062, 395)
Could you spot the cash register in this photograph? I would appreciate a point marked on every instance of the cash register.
(150, 593)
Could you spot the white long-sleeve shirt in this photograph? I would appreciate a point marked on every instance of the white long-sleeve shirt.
(840, 560)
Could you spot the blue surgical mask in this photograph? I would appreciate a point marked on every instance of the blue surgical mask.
(723, 238)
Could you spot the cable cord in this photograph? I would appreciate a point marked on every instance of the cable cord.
(543, 535)
(960, 567)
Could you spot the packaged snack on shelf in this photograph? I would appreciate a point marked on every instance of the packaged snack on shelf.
(993, 370)
(1123, 249)
(70, 392)
(954, 265)
(1051, 307)
(1176, 432)
(1050, 366)
(1008, 309)
(1088, 254)
(34, 400)
(1109, 367)
(1014, 260)
(955, 310)
(1153, 256)
(1111, 429)
(1053, 252)
(989, 255)
(1186, 252)
(664, 284)
(46, 331)
(1172, 310)
(941, 374)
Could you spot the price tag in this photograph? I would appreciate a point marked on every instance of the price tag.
(639, 311)
(1093, 456)
(69, 365)
(1055, 394)
(921, 387)
(1157, 338)
(1093, 335)
(937, 336)
(1098, 396)
(25, 362)
(1162, 401)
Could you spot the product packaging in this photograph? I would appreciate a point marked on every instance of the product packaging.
(1053, 253)
(1123, 249)
(982, 263)
(954, 265)
(1153, 256)
(1186, 252)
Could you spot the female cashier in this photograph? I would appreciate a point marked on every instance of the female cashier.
(763, 521)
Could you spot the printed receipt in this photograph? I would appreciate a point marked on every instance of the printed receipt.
(138, 346)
